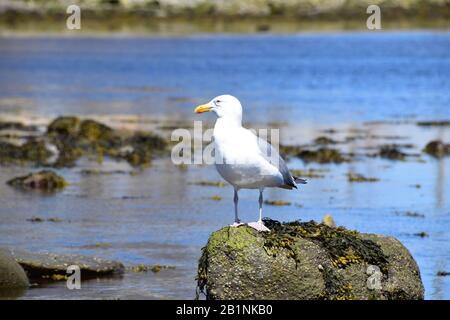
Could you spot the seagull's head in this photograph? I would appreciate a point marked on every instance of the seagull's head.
(224, 106)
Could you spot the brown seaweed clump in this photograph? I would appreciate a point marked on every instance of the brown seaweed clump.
(42, 180)
(322, 140)
(437, 149)
(75, 138)
(323, 155)
(355, 177)
(391, 152)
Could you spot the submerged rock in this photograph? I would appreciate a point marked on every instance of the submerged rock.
(46, 265)
(306, 260)
(42, 180)
(12, 275)
(437, 149)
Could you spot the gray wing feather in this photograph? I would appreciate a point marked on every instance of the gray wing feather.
(273, 157)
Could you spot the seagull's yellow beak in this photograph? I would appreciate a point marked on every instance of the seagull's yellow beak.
(203, 108)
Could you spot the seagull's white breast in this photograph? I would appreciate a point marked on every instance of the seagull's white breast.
(239, 160)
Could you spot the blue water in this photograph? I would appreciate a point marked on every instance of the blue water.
(323, 77)
(371, 84)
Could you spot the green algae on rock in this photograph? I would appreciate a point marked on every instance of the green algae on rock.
(42, 180)
(305, 260)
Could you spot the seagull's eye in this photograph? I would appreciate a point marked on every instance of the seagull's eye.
(218, 101)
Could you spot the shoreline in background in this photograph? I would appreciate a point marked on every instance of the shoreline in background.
(233, 16)
(181, 26)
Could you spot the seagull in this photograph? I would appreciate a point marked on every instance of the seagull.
(243, 159)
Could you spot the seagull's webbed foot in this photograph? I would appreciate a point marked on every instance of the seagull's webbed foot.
(236, 224)
(259, 226)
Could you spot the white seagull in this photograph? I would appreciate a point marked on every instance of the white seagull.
(243, 159)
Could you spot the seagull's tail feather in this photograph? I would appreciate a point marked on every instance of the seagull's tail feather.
(299, 180)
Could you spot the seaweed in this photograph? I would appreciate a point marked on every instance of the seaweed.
(33, 151)
(75, 138)
(437, 149)
(43, 180)
(323, 155)
(355, 177)
(343, 246)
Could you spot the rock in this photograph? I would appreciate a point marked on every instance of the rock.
(437, 149)
(143, 146)
(12, 275)
(324, 140)
(34, 151)
(44, 265)
(42, 180)
(64, 126)
(391, 152)
(74, 138)
(322, 155)
(306, 260)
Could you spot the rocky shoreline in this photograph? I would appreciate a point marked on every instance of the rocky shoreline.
(221, 16)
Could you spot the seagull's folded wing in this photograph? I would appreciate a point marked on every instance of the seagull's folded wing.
(273, 157)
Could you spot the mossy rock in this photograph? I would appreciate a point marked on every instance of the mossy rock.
(144, 146)
(306, 260)
(75, 138)
(94, 131)
(33, 151)
(42, 180)
(64, 126)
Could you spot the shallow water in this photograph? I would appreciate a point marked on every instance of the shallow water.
(375, 84)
